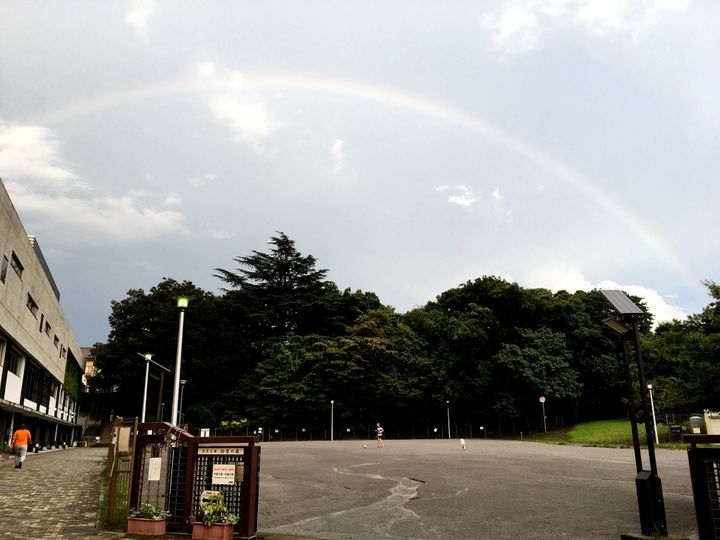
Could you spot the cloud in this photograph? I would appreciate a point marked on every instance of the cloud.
(139, 16)
(31, 153)
(202, 180)
(520, 27)
(237, 105)
(54, 198)
(95, 221)
(464, 199)
(557, 276)
(172, 199)
(338, 155)
(459, 195)
(497, 195)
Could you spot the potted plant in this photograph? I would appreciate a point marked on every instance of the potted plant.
(5, 450)
(147, 520)
(214, 521)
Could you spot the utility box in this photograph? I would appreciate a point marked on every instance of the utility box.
(651, 504)
(697, 425)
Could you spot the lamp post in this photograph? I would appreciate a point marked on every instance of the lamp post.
(652, 407)
(542, 403)
(182, 393)
(651, 504)
(182, 304)
(332, 420)
(148, 359)
(447, 402)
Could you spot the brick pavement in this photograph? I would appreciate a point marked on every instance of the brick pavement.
(54, 495)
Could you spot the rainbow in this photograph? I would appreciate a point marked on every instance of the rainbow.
(403, 100)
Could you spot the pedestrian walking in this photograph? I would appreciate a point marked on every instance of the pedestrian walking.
(21, 439)
(379, 435)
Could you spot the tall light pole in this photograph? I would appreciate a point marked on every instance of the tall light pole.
(651, 503)
(148, 359)
(652, 406)
(182, 393)
(447, 402)
(542, 402)
(182, 304)
(332, 419)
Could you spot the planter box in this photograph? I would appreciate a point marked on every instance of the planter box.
(146, 527)
(220, 531)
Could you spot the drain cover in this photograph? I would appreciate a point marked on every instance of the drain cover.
(79, 529)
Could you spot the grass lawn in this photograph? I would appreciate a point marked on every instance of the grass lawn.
(611, 433)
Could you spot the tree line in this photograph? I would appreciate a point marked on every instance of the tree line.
(280, 342)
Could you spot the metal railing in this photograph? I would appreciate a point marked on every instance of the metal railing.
(705, 476)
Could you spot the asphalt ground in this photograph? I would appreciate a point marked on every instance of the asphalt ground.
(432, 489)
(422, 489)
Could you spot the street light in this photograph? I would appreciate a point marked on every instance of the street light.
(182, 393)
(332, 419)
(182, 304)
(652, 407)
(651, 504)
(148, 359)
(447, 402)
(542, 402)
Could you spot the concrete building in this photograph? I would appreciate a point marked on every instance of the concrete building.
(40, 359)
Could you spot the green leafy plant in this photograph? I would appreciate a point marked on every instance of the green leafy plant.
(5, 448)
(148, 511)
(215, 512)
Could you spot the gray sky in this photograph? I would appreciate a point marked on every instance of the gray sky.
(409, 146)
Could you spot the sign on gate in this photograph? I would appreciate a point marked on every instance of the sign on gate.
(223, 474)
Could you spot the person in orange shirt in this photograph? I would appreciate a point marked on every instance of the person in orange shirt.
(20, 441)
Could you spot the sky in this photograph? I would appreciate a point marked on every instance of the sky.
(408, 146)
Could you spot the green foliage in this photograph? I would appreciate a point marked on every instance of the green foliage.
(148, 511)
(73, 378)
(281, 342)
(215, 511)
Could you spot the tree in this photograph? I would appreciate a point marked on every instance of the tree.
(282, 289)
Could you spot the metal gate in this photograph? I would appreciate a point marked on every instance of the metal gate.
(705, 476)
(173, 468)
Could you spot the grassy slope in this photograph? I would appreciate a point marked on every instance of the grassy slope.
(603, 433)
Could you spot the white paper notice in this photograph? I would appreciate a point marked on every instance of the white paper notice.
(223, 473)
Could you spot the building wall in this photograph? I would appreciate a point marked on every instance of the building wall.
(36, 340)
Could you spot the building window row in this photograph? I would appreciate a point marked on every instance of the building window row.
(31, 304)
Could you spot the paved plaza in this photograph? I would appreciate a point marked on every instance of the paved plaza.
(432, 489)
(423, 489)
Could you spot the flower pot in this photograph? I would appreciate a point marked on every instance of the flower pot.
(219, 531)
(146, 527)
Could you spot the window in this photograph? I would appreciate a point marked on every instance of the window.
(48, 328)
(3, 271)
(56, 342)
(16, 265)
(32, 306)
(13, 361)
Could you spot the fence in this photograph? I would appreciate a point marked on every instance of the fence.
(172, 468)
(705, 477)
(119, 470)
